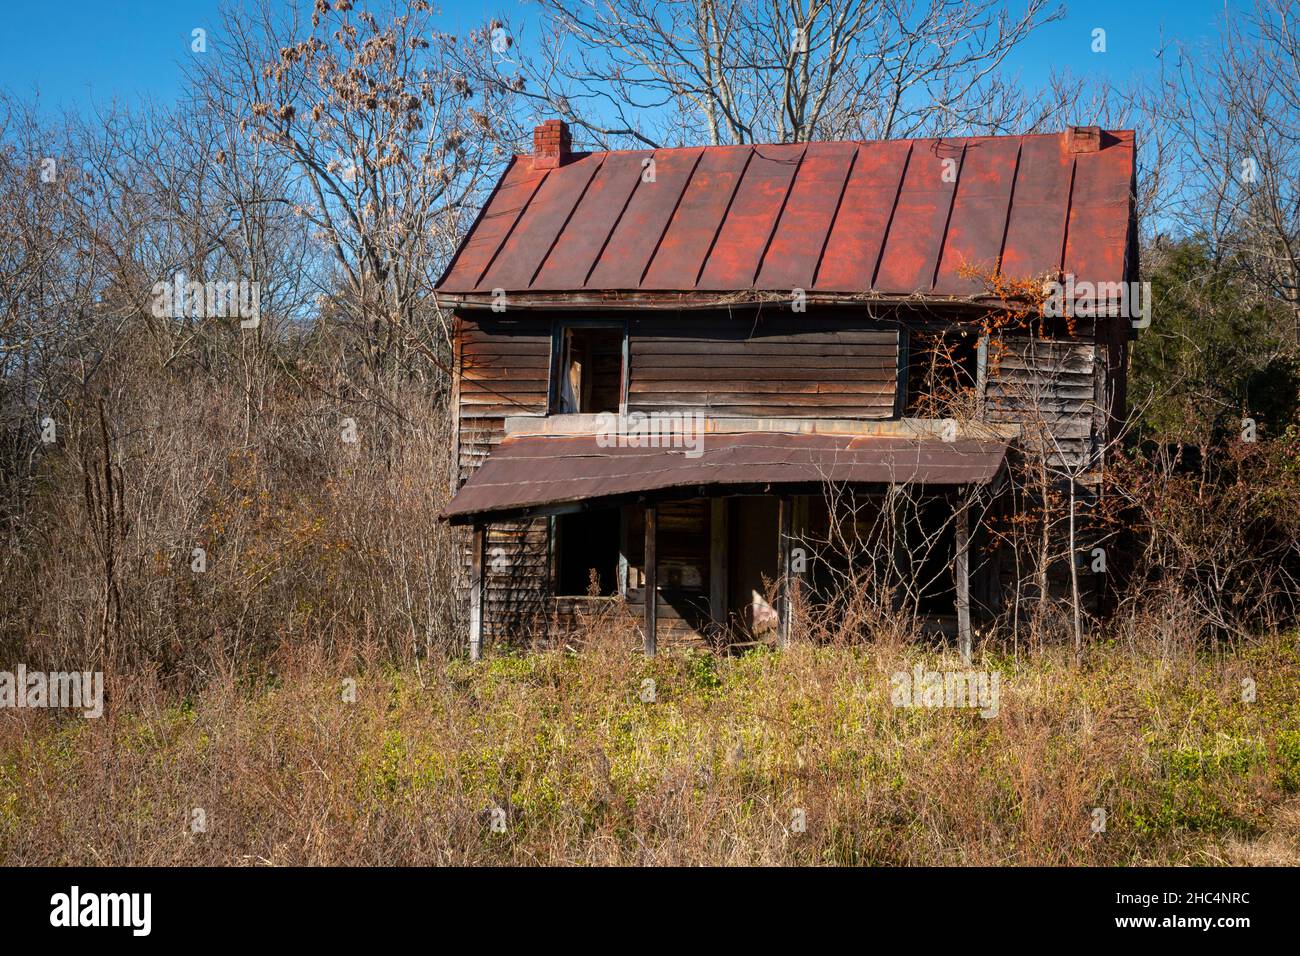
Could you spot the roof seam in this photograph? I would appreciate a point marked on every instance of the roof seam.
(567, 219)
(889, 224)
(511, 231)
(776, 222)
(668, 223)
(726, 211)
(844, 188)
(1011, 201)
(586, 278)
(947, 222)
(1069, 205)
(487, 204)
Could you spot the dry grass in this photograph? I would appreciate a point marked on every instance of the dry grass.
(711, 772)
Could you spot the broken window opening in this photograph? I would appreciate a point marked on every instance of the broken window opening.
(942, 370)
(591, 370)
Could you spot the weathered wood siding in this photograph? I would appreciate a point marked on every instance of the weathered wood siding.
(504, 369)
(795, 366)
(1051, 388)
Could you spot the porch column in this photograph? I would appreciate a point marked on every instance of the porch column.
(961, 575)
(651, 589)
(718, 560)
(787, 579)
(476, 592)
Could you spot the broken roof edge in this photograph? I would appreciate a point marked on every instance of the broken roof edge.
(620, 301)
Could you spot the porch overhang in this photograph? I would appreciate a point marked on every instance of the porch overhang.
(541, 474)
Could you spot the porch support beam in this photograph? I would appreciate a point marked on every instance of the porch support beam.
(476, 584)
(785, 609)
(651, 590)
(961, 575)
(718, 537)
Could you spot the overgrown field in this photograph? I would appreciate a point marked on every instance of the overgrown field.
(797, 757)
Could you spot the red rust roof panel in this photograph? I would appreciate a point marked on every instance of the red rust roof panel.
(858, 233)
(570, 261)
(911, 254)
(979, 215)
(1036, 223)
(527, 245)
(1099, 212)
(796, 248)
(539, 471)
(626, 256)
(883, 218)
(744, 235)
(504, 208)
(680, 256)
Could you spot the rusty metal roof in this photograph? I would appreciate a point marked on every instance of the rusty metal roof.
(888, 218)
(530, 472)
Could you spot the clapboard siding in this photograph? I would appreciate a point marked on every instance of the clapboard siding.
(819, 368)
(1047, 384)
(516, 578)
(504, 369)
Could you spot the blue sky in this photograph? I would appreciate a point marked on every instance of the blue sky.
(78, 53)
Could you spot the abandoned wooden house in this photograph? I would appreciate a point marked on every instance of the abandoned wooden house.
(665, 360)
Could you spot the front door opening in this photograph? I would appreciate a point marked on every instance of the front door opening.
(586, 546)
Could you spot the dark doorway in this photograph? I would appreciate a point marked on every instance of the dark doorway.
(586, 546)
(754, 526)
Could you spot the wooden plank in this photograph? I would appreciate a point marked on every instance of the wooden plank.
(651, 580)
(718, 531)
(785, 541)
(682, 365)
(961, 576)
(476, 594)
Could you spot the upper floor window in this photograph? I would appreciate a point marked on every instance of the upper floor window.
(590, 369)
(942, 370)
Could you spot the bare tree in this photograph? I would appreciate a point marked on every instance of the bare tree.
(387, 146)
(1236, 109)
(739, 71)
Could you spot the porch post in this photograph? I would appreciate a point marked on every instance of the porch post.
(476, 592)
(962, 577)
(786, 594)
(718, 560)
(651, 589)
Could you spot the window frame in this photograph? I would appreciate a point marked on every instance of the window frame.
(559, 330)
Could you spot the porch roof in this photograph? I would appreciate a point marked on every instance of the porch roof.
(533, 472)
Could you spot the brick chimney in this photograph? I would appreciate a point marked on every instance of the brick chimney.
(550, 144)
(1084, 139)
